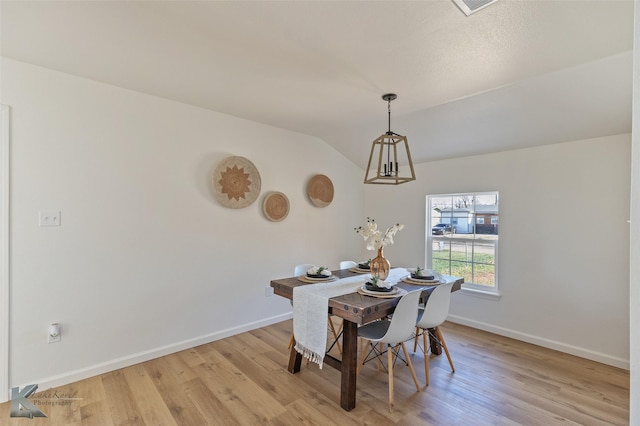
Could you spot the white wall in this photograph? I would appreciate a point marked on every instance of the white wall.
(634, 297)
(146, 260)
(564, 241)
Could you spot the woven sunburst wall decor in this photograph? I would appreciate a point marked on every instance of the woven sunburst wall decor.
(236, 182)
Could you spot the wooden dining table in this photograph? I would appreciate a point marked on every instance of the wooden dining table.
(355, 309)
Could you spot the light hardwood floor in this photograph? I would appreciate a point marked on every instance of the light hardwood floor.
(242, 380)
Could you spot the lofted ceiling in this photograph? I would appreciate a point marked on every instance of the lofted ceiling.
(516, 74)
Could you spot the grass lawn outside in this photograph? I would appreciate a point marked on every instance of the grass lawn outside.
(462, 256)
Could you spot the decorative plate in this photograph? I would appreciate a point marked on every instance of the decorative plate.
(371, 287)
(423, 277)
(236, 182)
(275, 206)
(319, 277)
(392, 294)
(410, 280)
(320, 190)
(306, 279)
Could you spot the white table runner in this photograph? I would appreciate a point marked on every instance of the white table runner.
(310, 311)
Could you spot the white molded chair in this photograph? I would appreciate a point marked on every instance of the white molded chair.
(434, 314)
(346, 264)
(393, 333)
(302, 269)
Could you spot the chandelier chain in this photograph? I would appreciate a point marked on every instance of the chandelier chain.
(389, 112)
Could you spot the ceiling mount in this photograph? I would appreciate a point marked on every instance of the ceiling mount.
(389, 97)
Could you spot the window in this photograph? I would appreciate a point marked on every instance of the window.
(470, 249)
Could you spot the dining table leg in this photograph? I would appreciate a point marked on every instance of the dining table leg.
(436, 347)
(349, 365)
(295, 360)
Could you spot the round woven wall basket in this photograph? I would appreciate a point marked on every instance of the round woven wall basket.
(236, 182)
(275, 206)
(320, 190)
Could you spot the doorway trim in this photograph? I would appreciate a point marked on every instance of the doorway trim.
(4, 253)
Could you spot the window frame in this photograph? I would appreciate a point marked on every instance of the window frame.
(479, 290)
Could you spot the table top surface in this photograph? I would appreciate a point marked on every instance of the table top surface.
(355, 307)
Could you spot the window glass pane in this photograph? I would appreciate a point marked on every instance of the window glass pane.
(484, 252)
(462, 269)
(484, 263)
(457, 263)
(442, 266)
(484, 274)
(441, 211)
(441, 248)
(441, 255)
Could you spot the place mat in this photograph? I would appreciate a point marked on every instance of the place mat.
(397, 292)
(236, 182)
(410, 280)
(360, 271)
(275, 206)
(320, 191)
(306, 279)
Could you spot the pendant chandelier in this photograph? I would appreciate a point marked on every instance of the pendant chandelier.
(389, 147)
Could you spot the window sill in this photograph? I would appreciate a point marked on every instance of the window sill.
(490, 295)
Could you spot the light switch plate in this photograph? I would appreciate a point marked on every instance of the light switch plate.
(49, 218)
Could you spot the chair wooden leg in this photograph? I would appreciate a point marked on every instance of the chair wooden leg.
(364, 356)
(415, 340)
(335, 334)
(413, 372)
(380, 348)
(425, 350)
(390, 370)
(446, 350)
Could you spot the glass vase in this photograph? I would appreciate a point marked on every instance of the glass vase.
(380, 266)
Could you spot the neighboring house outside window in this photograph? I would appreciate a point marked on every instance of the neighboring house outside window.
(463, 238)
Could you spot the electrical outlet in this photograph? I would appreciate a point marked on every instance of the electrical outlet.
(49, 218)
(268, 291)
(54, 335)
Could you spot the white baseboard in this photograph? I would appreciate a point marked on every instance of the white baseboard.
(126, 361)
(546, 343)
